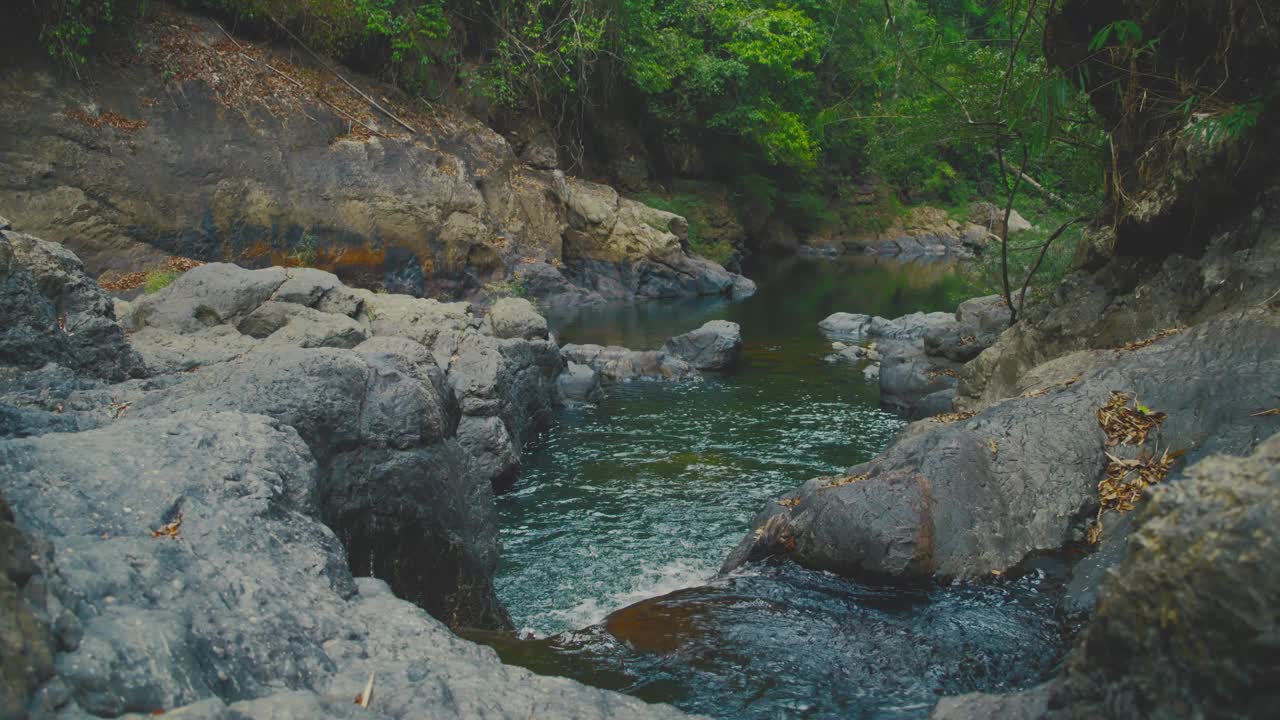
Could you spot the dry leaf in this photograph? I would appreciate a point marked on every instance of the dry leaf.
(170, 530)
(1267, 413)
(951, 417)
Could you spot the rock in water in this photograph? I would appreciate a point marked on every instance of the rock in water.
(981, 494)
(717, 345)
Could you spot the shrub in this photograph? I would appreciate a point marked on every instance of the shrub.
(159, 279)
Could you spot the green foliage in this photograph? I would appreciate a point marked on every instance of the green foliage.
(304, 254)
(67, 27)
(694, 209)
(1231, 124)
(159, 279)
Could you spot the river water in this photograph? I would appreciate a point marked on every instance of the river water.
(625, 510)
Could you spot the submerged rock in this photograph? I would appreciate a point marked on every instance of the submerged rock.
(717, 345)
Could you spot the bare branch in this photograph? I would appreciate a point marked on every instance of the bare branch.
(1044, 250)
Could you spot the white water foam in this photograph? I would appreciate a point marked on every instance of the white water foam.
(650, 581)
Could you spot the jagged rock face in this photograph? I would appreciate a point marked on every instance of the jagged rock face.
(54, 313)
(968, 498)
(221, 165)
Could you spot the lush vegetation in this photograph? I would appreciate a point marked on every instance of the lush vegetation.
(793, 104)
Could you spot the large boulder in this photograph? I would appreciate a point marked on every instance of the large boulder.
(1186, 625)
(190, 572)
(717, 345)
(979, 495)
(53, 312)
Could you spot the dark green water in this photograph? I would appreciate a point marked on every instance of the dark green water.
(645, 494)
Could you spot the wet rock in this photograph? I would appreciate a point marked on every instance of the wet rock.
(53, 312)
(578, 383)
(618, 364)
(717, 345)
(968, 498)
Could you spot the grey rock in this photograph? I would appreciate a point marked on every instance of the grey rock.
(516, 318)
(578, 383)
(618, 364)
(251, 612)
(1204, 544)
(213, 294)
(743, 287)
(854, 327)
(847, 354)
(27, 643)
(490, 445)
(1026, 705)
(53, 312)
(968, 498)
(717, 345)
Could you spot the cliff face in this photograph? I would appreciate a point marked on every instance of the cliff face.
(193, 143)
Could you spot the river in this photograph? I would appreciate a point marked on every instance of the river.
(615, 532)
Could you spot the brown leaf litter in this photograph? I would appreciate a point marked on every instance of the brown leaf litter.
(1139, 344)
(1126, 425)
(950, 417)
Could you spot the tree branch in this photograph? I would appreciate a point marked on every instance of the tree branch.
(1022, 296)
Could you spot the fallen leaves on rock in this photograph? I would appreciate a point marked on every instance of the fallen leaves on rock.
(1126, 479)
(133, 280)
(118, 408)
(789, 503)
(1273, 412)
(106, 118)
(935, 373)
(1125, 425)
(364, 697)
(1139, 344)
(943, 418)
(169, 530)
(968, 339)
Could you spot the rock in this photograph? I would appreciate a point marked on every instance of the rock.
(53, 312)
(991, 218)
(516, 318)
(923, 233)
(1026, 705)
(871, 373)
(968, 498)
(1204, 544)
(196, 576)
(743, 287)
(853, 327)
(27, 643)
(848, 354)
(578, 383)
(618, 364)
(213, 294)
(717, 345)
(979, 323)
(290, 325)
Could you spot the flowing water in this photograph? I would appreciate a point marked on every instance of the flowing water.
(631, 505)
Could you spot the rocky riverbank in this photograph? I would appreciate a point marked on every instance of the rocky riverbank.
(199, 502)
(197, 144)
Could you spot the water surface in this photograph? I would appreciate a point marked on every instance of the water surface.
(645, 494)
